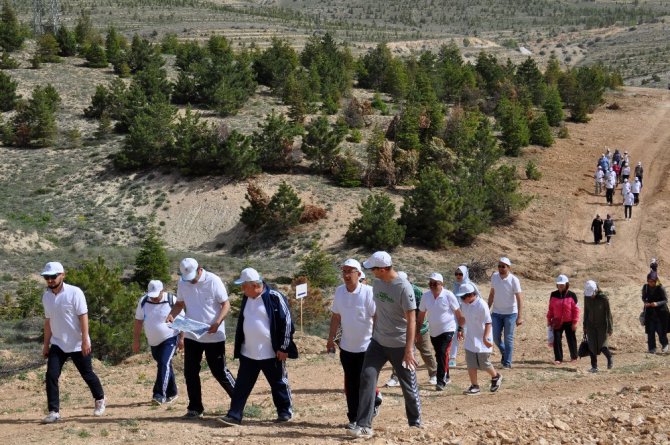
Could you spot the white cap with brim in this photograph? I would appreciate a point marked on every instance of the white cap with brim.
(352, 263)
(155, 288)
(53, 268)
(188, 269)
(465, 289)
(378, 259)
(505, 260)
(248, 275)
(362, 277)
(562, 279)
(436, 277)
(590, 288)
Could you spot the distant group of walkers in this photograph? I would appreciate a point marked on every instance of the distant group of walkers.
(613, 169)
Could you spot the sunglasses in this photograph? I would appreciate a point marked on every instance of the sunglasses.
(50, 277)
(433, 284)
(459, 274)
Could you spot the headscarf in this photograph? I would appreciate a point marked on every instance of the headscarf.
(466, 279)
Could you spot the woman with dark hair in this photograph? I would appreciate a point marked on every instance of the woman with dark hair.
(608, 225)
(656, 314)
(562, 316)
(597, 323)
(597, 229)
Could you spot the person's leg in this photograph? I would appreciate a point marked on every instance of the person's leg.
(571, 338)
(192, 357)
(352, 363)
(85, 367)
(441, 357)
(497, 329)
(427, 355)
(163, 354)
(372, 363)
(453, 351)
(509, 325)
(247, 374)
(651, 336)
(662, 333)
(594, 360)
(277, 376)
(215, 354)
(409, 385)
(473, 365)
(55, 362)
(608, 355)
(558, 344)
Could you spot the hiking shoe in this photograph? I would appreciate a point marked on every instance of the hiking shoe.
(439, 387)
(378, 403)
(228, 421)
(393, 381)
(361, 431)
(52, 417)
(171, 398)
(507, 365)
(610, 363)
(157, 401)
(433, 380)
(651, 351)
(350, 426)
(192, 414)
(452, 362)
(283, 418)
(665, 349)
(473, 390)
(593, 370)
(99, 407)
(496, 382)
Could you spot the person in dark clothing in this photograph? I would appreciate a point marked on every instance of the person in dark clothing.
(562, 316)
(597, 229)
(608, 225)
(639, 171)
(597, 323)
(656, 314)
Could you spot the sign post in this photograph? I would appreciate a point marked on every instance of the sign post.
(300, 294)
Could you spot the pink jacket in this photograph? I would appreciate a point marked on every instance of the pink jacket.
(562, 309)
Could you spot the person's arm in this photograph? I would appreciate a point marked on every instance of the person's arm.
(176, 309)
(85, 342)
(421, 315)
(492, 294)
(335, 321)
(608, 315)
(285, 330)
(550, 313)
(137, 330)
(225, 308)
(409, 358)
(180, 341)
(575, 314)
(47, 337)
(519, 305)
(487, 339)
(460, 319)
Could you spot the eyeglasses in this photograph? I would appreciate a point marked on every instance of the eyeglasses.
(433, 283)
(348, 271)
(502, 266)
(50, 277)
(459, 274)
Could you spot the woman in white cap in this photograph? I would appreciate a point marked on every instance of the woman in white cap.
(563, 316)
(597, 323)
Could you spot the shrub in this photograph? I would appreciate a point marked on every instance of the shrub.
(321, 143)
(312, 213)
(8, 96)
(7, 62)
(540, 132)
(152, 262)
(11, 34)
(347, 170)
(255, 215)
(284, 210)
(29, 298)
(563, 132)
(532, 172)
(376, 227)
(319, 268)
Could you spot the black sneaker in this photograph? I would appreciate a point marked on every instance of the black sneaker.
(192, 414)
(229, 421)
(473, 390)
(283, 418)
(496, 382)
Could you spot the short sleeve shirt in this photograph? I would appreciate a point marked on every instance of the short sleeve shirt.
(63, 311)
(153, 315)
(440, 311)
(392, 300)
(476, 315)
(505, 290)
(356, 310)
(203, 302)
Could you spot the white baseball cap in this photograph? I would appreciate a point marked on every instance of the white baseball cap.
(378, 259)
(352, 263)
(53, 268)
(590, 288)
(248, 274)
(188, 269)
(465, 289)
(505, 260)
(154, 289)
(562, 279)
(403, 275)
(362, 277)
(436, 277)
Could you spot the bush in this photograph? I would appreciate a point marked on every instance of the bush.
(563, 132)
(376, 227)
(11, 34)
(7, 62)
(319, 268)
(540, 132)
(34, 124)
(152, 262)
(8, 96)
(67, 42)
(312, 213)
(532, 172)
(29, 298)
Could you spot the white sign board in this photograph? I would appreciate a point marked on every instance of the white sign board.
(301, 291)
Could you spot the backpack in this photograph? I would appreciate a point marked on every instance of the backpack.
(171, 300)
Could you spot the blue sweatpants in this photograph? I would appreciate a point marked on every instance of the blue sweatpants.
(163, 353)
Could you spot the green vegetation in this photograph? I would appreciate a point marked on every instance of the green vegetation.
(34, 124)
(376, 228)
(152, 262)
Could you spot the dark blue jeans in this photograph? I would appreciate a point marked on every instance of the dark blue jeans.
(503, 326)
(275, 373)
(215, 354)
(163, 353)
(55, 362)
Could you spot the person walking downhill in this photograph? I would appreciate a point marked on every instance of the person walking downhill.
(656, 314)
(625, 187)
(608, 226)
(625, 171)
(636, 188)
(628, 202)
(563, 316)
(599, 178)
(66, 337)
(609, 190)
(639, 172)
(151, 312)
(506, 303)
(597, 229)
(461, 278)
(598, 325)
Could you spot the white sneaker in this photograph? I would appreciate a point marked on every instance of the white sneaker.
(665, 348)
(361, 431)
(99, 408)
(52, 417)
(433, 380)
(393, 381)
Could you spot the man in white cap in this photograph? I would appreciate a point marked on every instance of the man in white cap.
(151, 312)
(636, 187)
(599, 177)
(66, 336)
(203, 297)
(506, 304)
(263, 342)
(392, 340)
(444, 315)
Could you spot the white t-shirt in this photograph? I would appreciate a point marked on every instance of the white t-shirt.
(476, 315)
(257, 341)
(441, 317)
(628, 199)
(504, 299)
(154, 315)
(63, 311)
(635, 188)
(203, 302)
(356, 310)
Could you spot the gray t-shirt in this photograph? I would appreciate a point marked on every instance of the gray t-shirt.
(392, 300)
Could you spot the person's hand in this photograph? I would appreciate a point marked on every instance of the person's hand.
(180, 343)
(45, 351)
(574, 327)
(136, 346)
(519, 321)
(85, 347)
(409, 360)
(213, 328)
(330, 345)
(488, 342)
(282, 356)
(169, 319)
(459, 336)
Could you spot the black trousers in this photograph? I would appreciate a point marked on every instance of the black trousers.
(609, 195)
(594, 357)
(352, 364)
(558, 342)
(215, 354)
(55, 362)
(442, 346)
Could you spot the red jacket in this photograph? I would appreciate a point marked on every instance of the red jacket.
(562, 308)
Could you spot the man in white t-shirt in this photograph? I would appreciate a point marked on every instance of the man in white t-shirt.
(152, 310)
(353, 310)
(444, 315)
(203, 297)
(506, 304)
(66, 336)
(263, 342)
(478, 342)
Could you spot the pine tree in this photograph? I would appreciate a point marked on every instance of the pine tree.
(255, 216)
(34, 124)
(540, 132)
(376, 227)
(11, 34)
(115, 46)
(284, 210)
(152, 262)
(67, 42)
(553, 107)
(319, 268)
(8, 96)
(274, 143)
(514, 124)
(96, 56)
(321, 144)
(47, 49)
